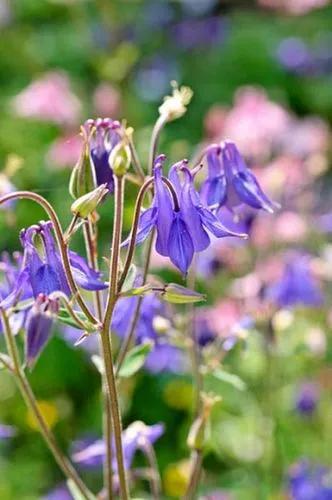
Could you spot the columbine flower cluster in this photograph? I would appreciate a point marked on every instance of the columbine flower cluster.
(48, 282)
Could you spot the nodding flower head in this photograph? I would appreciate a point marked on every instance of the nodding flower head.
(230, 183)
(41, 268)
(39, 327)
(103, 135)
(182, 221)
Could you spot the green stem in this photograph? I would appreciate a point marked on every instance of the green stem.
(30, 400)
(196, 469)
(131, 333)
(92, 254)
(106, 334)
(154, 471)
(196, 455)
(159, 125)
(62, 245)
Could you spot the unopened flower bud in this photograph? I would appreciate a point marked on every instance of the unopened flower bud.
(177, 294)
(82, 179)
(120, 159)
(175, 106)
(87, 203)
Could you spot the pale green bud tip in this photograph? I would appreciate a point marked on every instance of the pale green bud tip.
(178, 294)
(120, 159)
(175, 106)
(87, 203)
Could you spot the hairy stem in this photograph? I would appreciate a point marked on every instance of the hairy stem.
(62, 245)
(106, 334)
(92, 254)
(30, 400)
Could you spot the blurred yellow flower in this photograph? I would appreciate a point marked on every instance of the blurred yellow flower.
(178, 394)
(49, 412)
(176, 477)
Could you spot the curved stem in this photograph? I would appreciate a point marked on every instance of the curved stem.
(135, 159)
(62, 245)
(106, 334)
(29, 397)
(92, 254)
(159, 125)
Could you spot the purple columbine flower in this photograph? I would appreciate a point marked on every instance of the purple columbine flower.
(182, 229)
(309, 482)
(297, 286)
(307, 398)
(103, 136)
(230, 183)
(137, 436)
(39, 327)
(42, 270)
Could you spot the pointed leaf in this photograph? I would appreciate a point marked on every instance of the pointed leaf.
(135, 359)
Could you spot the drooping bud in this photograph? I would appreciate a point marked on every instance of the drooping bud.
(120, 159)
(87, 203)
(82, 179)
(39, 327)
(175, 106)
(177, 294)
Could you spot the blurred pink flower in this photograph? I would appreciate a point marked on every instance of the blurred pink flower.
(106, 101)
(296, 7)
(255, 123)
(305, 137)
(286, 227)
(50, 99)
(65, 151)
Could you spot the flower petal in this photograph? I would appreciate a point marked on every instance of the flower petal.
(213, 224)
(180, 245)
(250, 192)
(165, 212)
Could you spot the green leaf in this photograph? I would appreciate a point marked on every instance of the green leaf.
(135, 359)
(64, 317)
(130, 278)
(229, 378)
(177, 294)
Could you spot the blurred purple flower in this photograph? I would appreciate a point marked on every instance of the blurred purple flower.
(137, 436)
(153, 76)
(164, 357)
(59, 493)
(309, 482)
(307, 398)
(294, 55)
(191, 33)
(49, 98)
(7, 431)
(297, 285)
